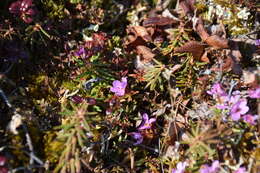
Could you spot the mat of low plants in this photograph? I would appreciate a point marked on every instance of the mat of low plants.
(129, 86)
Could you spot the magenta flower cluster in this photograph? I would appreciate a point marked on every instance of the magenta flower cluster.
(235, 103)
(146, 124)
(24, 9)
(254, 93)
(3, 162)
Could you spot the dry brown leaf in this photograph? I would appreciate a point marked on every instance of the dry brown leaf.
(187, 6)
(213, 40)
(142, 32)
(204, 57)
(217, 42)
(145, 52)
(193, 47)
(137, 35)
(201, 30)
(160, 21)
(131, 38)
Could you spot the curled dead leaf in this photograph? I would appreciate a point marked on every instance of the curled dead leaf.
(213, 40)
(193, 47)
(145, 52)
(217, 42)
(199, 28)
(142, 32)
(204, 57)
(137, 35)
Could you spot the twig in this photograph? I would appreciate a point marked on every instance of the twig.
(2, 94)
(251, 160)
(232, 85)
(159, 149)
(144, 146)
(33, 157)
(8, 69)
(25, 168)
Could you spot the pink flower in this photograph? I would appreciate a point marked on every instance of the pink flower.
(254, 93)
(119, 87)
(234, 98)
(238, 109)
(217, 90)
(220, 95)
(240, 170)
(137, 136)
(214, 168)
(2, 160)
(3, 170)
(257, 42)
(146, 122)
(23, 9)
(80, 52)
(180, 167)
(250, 119)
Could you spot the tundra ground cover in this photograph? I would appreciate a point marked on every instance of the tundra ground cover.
(130, 86)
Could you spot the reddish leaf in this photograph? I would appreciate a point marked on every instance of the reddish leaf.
(193, 47)
(153, 21)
